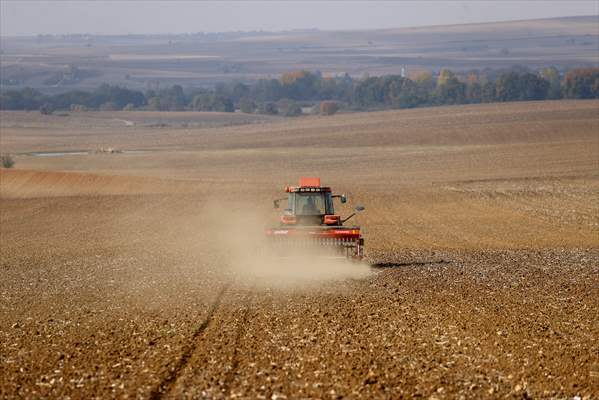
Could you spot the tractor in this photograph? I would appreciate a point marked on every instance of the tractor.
(309, 221)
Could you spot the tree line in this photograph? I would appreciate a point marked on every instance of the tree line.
(295, 90)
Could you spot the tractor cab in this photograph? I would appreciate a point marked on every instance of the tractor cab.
(310, 218)
(310, 204)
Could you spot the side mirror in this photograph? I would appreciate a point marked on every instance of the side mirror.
(275, 203)
(360, 208)
(343, 198)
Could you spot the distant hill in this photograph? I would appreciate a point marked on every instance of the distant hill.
(59, 63)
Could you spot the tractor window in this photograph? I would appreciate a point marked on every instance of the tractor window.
(310, 203)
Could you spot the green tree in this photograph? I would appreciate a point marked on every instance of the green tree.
(300, 85)
(115, 95)
(240, 91)
(328, 107)
(328, 88)
(401, 92)
(369, 92)
(212, 102)
(389, 91)
(222, 104)
(25, 99)
(290, 108)
(444, 76)
(512, 86)
(154, 104)
(551, 75)
(247, 106)
(423, 78)
(7, 161)
(488, 92)
(267, 108)
(451, 91)
(266, 90)
(172, 99)
(202, 102)
(533, 87)
(474, 93)
(109, 106)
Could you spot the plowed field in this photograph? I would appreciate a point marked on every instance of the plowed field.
(130, 275)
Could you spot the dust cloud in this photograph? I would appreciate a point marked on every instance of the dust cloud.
(240, 241)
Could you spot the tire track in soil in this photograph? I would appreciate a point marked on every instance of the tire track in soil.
(168, 383)
(240, 331)
(388, 265)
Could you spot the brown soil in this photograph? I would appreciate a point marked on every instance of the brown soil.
(482, 245)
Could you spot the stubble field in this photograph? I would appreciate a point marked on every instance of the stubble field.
(128, 274)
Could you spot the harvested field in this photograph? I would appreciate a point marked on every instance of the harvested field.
(124, 274)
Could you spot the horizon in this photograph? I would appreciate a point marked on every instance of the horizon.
(105, 18)
(296, 30)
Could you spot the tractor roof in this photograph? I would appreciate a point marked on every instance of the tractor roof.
(308, 185)
(309, 182)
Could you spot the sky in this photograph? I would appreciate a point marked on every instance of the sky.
(23, 17)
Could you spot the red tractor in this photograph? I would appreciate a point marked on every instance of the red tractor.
(310, 220)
